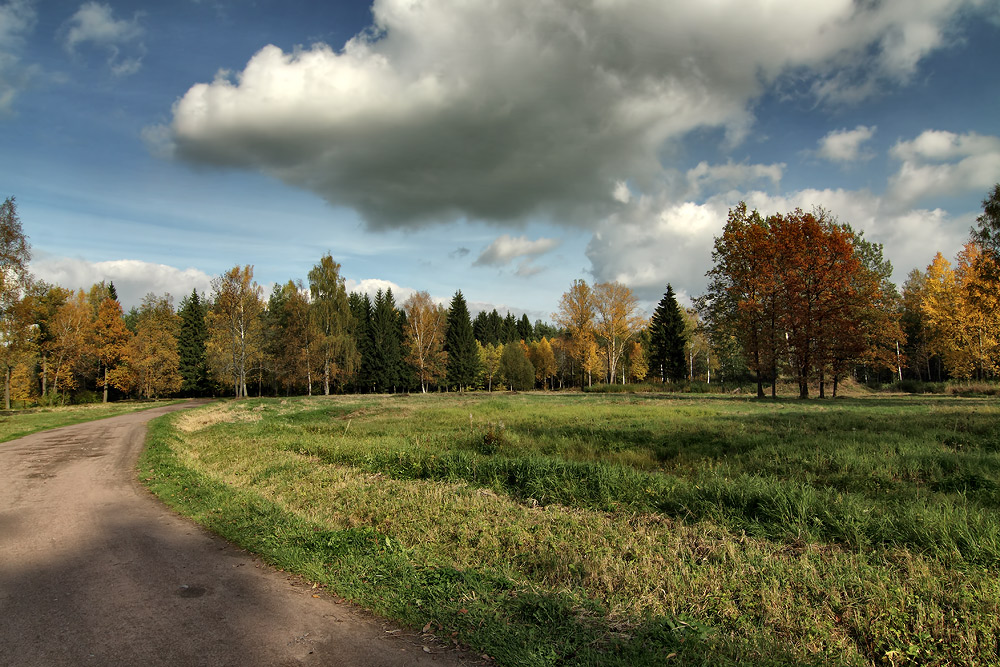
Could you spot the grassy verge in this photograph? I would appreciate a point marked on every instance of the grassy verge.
(19, 423)
(573, 529)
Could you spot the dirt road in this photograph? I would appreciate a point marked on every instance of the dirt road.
(95, 571)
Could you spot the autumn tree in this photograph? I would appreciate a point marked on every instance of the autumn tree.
(917, 347)
(870, 333)
(19, 334)
(332, 315)
(668, 338)
(15, 253)
(637, 365)
(460, 345)
(489, 361)
(152, 356)
(425, 326)
(291, 335)
(543, 359)
(741, 301)
(577, 316)
(47, 300)
(235, 325)
(111, 338)
(618, 322)
(70, 330)
(960, 329)
(698, 349)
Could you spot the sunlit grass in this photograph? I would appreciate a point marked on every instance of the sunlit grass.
(582, 529)
(19, 423)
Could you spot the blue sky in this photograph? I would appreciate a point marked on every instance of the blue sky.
(504, 149)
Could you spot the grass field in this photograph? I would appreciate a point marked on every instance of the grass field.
(19, 423)
(565, 528)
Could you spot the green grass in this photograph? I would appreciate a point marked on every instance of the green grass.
(19, 423)
(621, 529)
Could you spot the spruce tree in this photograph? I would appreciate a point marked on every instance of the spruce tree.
(524, 329)
(495, 328)
(480, 327)
(667, 339)
(191, 342)
(361, 319)
(385, 343)
(460, 344)
(509, 331)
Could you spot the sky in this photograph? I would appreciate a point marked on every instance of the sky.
(504, 149)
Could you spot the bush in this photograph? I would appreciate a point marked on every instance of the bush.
(910, 386)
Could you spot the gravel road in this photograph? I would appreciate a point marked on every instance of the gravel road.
(95, 571)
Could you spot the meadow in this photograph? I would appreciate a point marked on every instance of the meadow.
(601, 529)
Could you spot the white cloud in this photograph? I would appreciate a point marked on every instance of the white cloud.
(371, 286)
(943, 163)
(845, 145)
(501, 111)
(729, 175)
(133, 279)
(507, 248)
(659, 241)
(17, 21)
(94, 24)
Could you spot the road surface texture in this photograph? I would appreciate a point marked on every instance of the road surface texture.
(95, 571)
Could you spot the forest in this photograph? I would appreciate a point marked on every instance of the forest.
(797, 297)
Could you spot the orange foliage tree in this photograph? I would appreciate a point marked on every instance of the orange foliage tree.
(803, 289)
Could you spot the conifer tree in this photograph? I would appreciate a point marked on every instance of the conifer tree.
(385, 337)
(191, 346)
(508, 333)
(361, 318)
(524, 329)
(480, 327)
(494, 329)
(460, 344)
(667, 338)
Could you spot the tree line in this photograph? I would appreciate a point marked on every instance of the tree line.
(797, 295)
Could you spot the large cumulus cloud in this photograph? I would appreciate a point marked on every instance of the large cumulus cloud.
(499, 111)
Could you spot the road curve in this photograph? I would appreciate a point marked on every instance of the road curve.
(95, 571)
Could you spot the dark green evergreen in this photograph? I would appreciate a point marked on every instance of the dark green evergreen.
(132, 320)
(479, 324)
(545, 330)
(386, 344)
(525, 331)
(495, 328)
(191, 346)
(460, 344)
(509, 331)
(361, 318)
(667, 339)
(987, 232)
